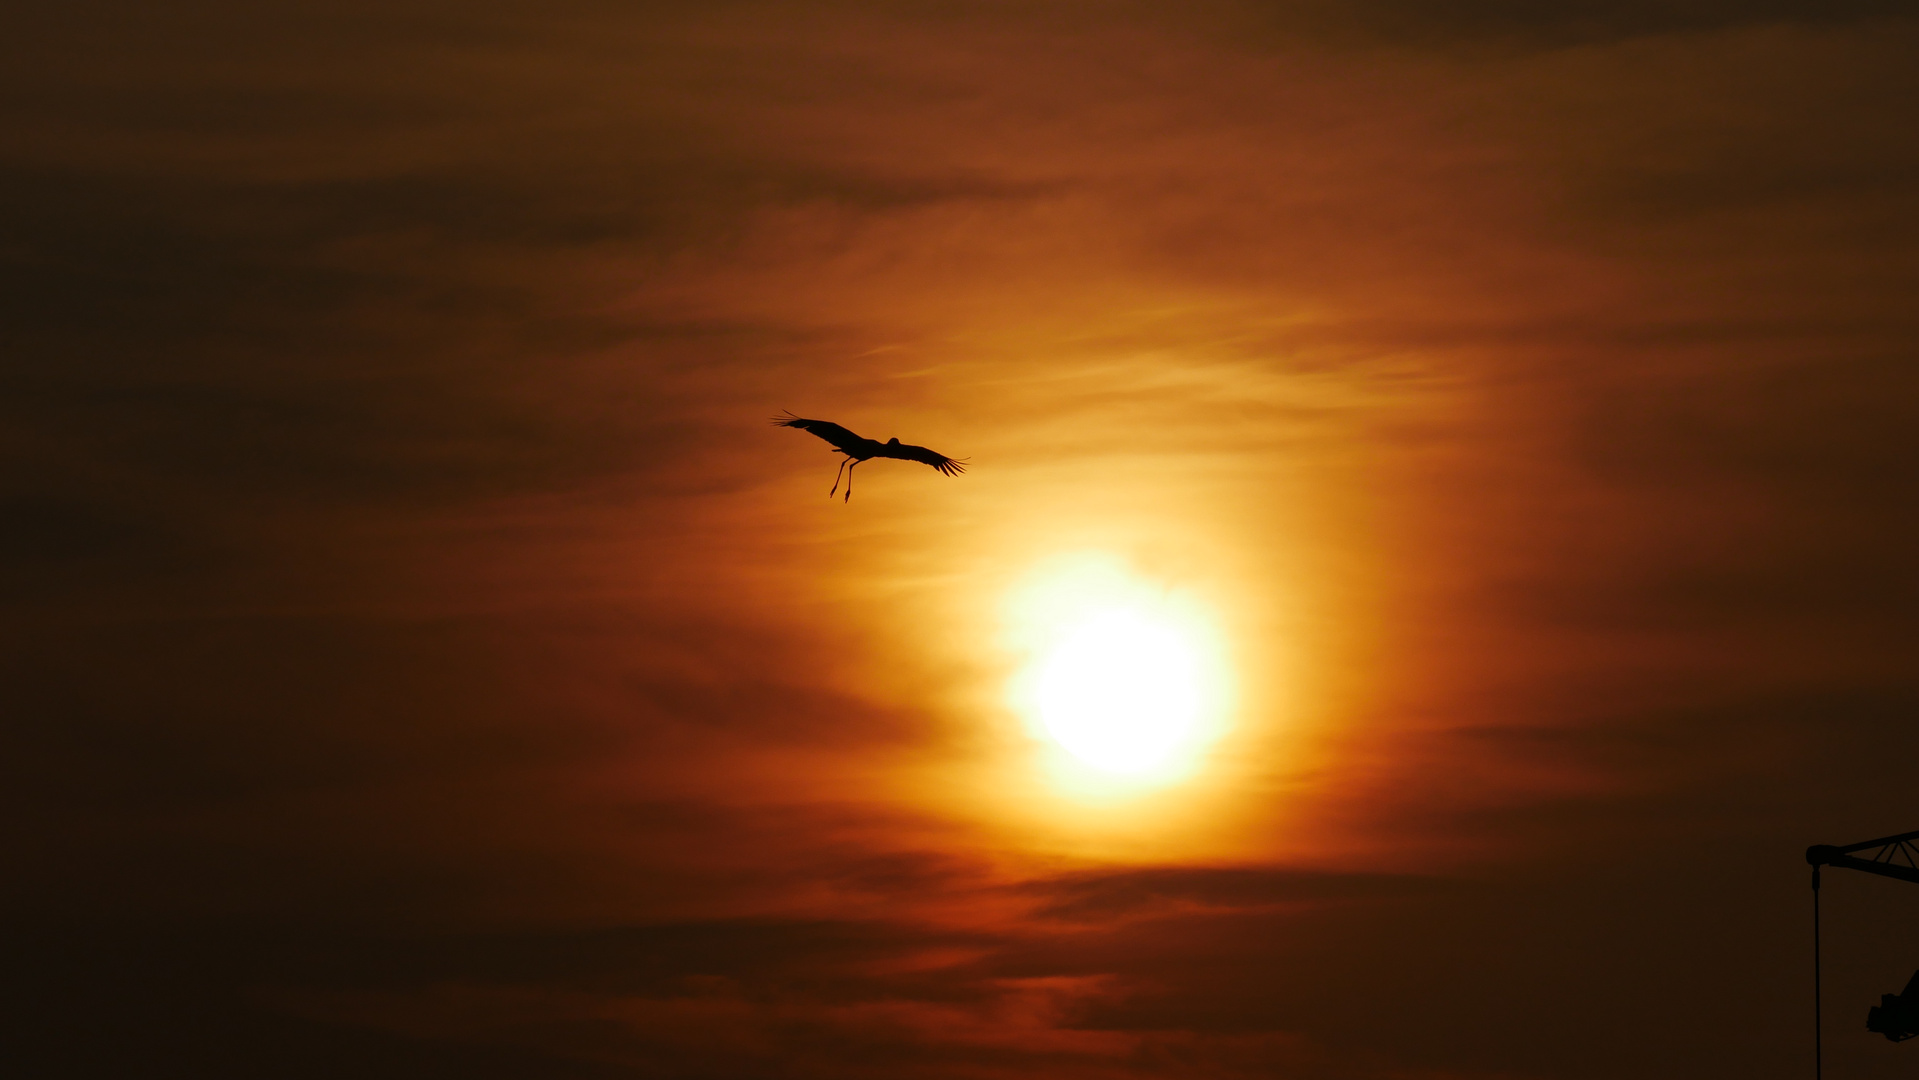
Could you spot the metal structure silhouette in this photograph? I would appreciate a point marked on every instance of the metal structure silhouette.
(1897, 1015)
(858, 448)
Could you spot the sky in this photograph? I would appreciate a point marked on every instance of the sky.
(423, 658)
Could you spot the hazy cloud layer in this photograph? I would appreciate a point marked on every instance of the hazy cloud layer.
(422, 659)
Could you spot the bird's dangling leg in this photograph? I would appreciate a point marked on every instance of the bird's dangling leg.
(836, 479)
(849, 481)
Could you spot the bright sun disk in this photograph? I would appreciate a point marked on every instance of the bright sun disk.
(1126, 678)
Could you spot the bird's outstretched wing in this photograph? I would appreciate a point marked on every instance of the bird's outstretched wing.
(825, 429)
(944, 464)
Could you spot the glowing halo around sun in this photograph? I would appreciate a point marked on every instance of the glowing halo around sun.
(1124, 679)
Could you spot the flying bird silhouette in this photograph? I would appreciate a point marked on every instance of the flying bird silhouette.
(858, 449)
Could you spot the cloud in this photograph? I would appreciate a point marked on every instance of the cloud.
(1103, 895)
(422, 657)
(1559, 25)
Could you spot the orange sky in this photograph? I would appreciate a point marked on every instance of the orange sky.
(424, 659)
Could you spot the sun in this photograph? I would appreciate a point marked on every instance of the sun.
(1124, 677)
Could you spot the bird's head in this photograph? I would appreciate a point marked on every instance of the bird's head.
(894, 441)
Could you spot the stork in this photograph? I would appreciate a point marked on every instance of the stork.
(858, 448)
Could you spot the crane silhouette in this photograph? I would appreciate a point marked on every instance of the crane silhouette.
(858, 448)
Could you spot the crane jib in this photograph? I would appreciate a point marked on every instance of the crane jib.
(1885, 850)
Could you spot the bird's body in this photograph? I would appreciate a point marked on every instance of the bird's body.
(858, 448)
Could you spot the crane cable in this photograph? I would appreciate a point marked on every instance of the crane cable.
(1818, 1064)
